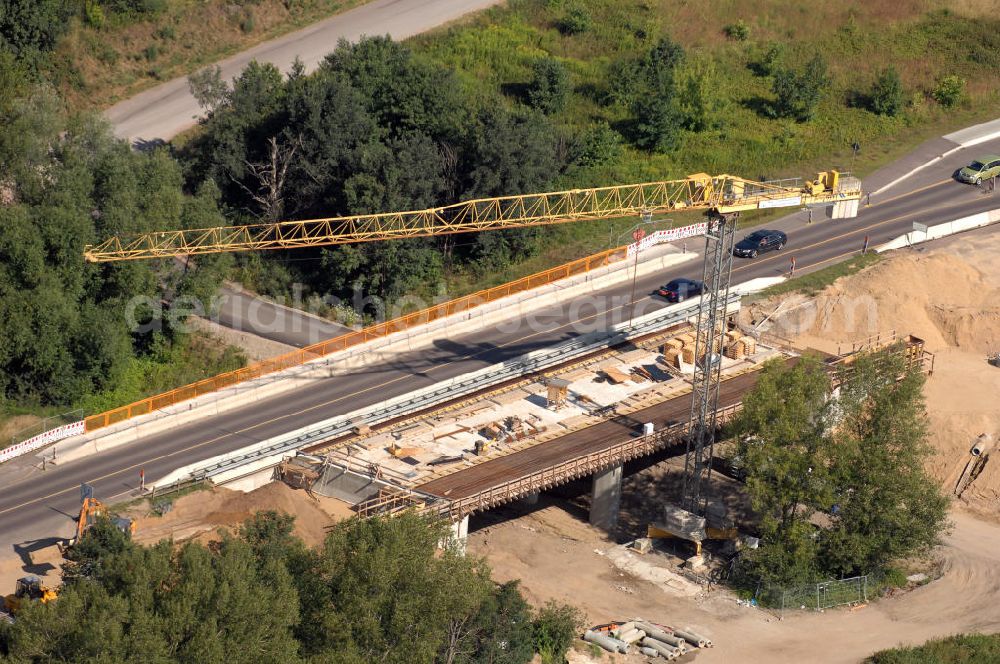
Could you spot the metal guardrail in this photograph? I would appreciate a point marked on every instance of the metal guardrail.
(477, 381)
(351, 339)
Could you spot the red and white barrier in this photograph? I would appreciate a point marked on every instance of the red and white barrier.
(668, 235)
(41, 440)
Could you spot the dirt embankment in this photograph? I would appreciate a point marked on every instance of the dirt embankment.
(199, 515)
(950, 297)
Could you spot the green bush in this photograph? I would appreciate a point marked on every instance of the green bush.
(767, 60)
(549, 86)
(93, 15)
(958, 649)
(798, 93)
(575, 21)
(887, 93)
(247, 22)
(950, 91)
(893, 577)
(738, 31)
(135, 8)
(30, 27)
(554, 630)
(598, 145)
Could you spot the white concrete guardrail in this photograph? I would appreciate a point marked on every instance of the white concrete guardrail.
(378, 350)
(941, 230)
(266, 454)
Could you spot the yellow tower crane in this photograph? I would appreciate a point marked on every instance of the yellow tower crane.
(721, 193)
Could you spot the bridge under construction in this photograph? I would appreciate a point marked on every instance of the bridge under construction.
(583, 420)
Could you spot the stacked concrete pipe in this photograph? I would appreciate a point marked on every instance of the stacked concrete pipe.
(693, 639)
(605, 641)
(662, 648)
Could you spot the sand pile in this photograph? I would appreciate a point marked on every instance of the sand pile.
(950, 297)
(939, 297)
(200, 514)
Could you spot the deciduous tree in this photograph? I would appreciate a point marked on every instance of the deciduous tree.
(785, 449)
(887, 505)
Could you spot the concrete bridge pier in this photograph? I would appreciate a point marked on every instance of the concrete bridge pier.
(529, 500)
(605, 498)
(460, 533)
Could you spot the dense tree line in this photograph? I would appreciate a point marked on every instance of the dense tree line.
(856, 456)
(375, 129)
(378, 590)
(66, 181)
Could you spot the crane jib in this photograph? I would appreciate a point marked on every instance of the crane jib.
(721, 193)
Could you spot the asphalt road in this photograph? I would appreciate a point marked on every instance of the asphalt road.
(166, 110)
(37, 503)
(244, 311)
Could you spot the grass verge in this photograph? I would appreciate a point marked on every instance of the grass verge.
(94, 67)
(813, 282)
(958, 649)
(160, 505)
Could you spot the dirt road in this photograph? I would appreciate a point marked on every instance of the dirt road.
(541, 547)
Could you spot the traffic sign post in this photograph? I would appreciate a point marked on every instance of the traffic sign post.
(637, 235)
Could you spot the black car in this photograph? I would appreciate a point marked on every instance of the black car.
(760, 242)
(679, 290)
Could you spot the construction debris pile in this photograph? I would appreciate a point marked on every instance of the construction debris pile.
(650, 639)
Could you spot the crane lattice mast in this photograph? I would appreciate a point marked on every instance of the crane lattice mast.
(709, 339)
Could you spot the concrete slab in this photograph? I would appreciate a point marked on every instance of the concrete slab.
(505, 398)
(975, 134)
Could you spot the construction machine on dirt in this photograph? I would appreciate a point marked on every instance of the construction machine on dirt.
(91, 509)
(27, 589)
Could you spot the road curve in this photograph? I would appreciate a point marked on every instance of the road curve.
(162, 112)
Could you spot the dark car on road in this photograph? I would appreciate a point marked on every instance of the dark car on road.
(760, 242)
(679, 290)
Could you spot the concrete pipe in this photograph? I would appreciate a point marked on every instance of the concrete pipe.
(677, 643)
(653, 631)
(606, 642)
(673, 640)
(691, 638)
(662, 648)
(649, 652)
(624, 627)
(983, 444)
(700, 637)
(632, 636)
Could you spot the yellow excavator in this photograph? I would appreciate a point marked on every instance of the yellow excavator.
(28, 589)
(90, 510)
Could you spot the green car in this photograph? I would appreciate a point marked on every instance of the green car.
(981, 169)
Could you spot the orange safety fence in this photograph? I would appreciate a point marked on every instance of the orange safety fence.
(345, 341)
